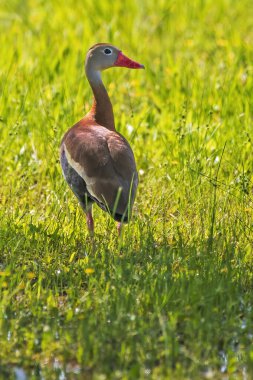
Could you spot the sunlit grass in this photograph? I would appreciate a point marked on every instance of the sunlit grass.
(173, 297)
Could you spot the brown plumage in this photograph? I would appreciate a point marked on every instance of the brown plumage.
(97, 162)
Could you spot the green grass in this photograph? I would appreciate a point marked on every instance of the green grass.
(173, 298)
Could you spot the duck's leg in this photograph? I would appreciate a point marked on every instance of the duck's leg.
(90, 222)
(119, 228)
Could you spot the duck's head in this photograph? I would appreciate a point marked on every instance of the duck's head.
(103, 56)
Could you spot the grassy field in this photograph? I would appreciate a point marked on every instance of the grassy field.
(173, 298)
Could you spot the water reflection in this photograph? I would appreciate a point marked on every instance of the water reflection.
(20, 374)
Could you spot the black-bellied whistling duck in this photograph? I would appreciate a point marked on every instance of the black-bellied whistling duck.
(98, 162)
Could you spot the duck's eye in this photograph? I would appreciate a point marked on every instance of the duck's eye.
(107, 51)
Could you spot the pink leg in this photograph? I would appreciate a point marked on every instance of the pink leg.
(119, 228)
(90, 222)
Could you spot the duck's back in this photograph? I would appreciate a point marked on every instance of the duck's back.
(105, 162)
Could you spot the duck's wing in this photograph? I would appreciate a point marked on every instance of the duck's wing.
(75, 182)
(105, 161)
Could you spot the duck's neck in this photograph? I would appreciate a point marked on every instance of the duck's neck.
(101, 110)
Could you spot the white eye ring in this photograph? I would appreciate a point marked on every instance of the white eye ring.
(107, 51)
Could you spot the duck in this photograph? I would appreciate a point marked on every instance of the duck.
(97, 162)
